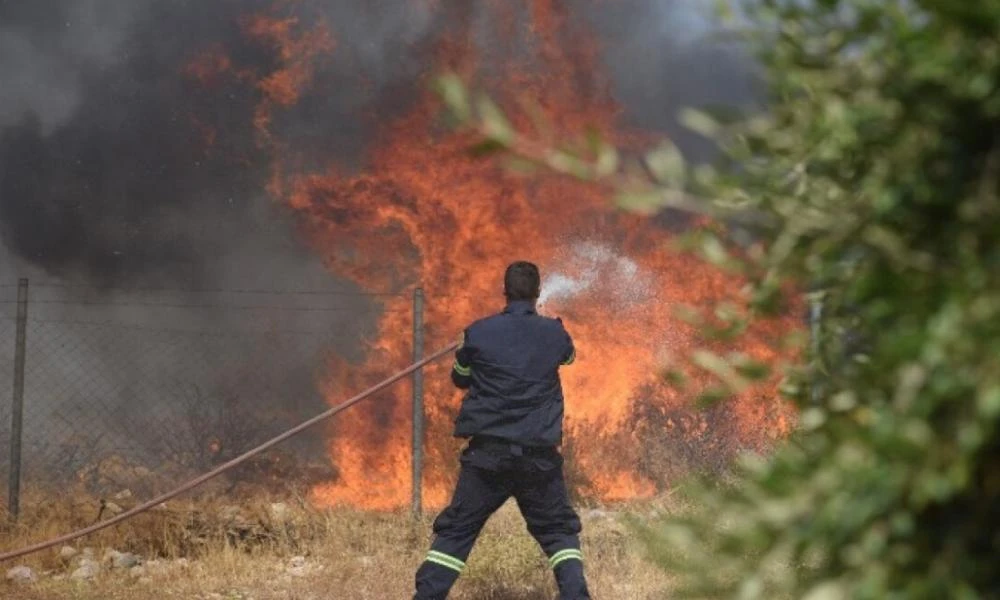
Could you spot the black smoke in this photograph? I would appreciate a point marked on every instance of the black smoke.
(105, 171)
(128, 185)
(116, 190)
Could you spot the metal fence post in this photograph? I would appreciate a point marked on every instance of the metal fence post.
(418, 401)
(17, 401)
(815, 343)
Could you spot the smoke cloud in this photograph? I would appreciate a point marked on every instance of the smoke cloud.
(48, 49)
(665, 55)
(104, 168)
(118, 169)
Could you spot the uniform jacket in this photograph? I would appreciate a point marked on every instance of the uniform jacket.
(509, 365)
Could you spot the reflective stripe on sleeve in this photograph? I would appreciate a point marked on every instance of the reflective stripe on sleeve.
(564, 555)
(440, 558)
(464, 371)
(572, 357)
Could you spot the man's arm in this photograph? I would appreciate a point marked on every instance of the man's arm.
(461, 371)
(569, 354)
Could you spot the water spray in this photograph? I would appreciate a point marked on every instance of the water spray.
(591, 265)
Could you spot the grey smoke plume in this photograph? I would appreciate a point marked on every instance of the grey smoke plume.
(104, 171)
(49, 47)
(103, 167)
(665, 55)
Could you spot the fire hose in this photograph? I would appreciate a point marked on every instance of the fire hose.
(228, 465)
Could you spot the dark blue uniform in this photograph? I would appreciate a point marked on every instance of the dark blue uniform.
(513, 413)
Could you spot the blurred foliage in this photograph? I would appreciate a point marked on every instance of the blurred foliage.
(871, 181)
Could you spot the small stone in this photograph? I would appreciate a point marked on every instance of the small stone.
(125, 560)
(67, 553)
(113, 508)
(21, 574)
(123, 495)
(297, 566)
(88, 569)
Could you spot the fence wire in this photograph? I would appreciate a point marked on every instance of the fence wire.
(126, 395)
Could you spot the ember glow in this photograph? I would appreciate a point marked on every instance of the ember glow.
(423, 212)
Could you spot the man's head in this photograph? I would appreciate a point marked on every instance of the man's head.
(521, 282)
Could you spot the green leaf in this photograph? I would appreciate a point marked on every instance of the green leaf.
(713, 395)
(843, 401)
(607, 161)
(487, 147)
(667, 165)
(988, 402)
(495, 124)
(827, 590)
(699, 122)
(675, 378)
(689, 314)
(812, 418)
(713, 251)
(643, 202)
(565, 161)
(718, 366)
(521, 166)
(751, 369)
(452, 90)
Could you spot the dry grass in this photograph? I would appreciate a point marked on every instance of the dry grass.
(244, 552)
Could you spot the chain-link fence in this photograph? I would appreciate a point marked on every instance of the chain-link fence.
(126, 390)
(142, 389)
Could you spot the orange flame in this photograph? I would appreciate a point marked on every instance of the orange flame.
(425, 213)
(297, 49)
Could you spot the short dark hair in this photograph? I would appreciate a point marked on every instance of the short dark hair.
(521, 281)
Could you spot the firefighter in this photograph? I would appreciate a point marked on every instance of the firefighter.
(512, 414)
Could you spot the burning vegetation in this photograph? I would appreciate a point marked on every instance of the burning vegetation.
(424, 212)
(418, 210)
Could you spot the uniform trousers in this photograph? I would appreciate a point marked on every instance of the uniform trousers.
(492, 471)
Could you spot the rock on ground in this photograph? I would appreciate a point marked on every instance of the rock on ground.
(88, 569)
(121, 560)
(297, 566)
(21, 574)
